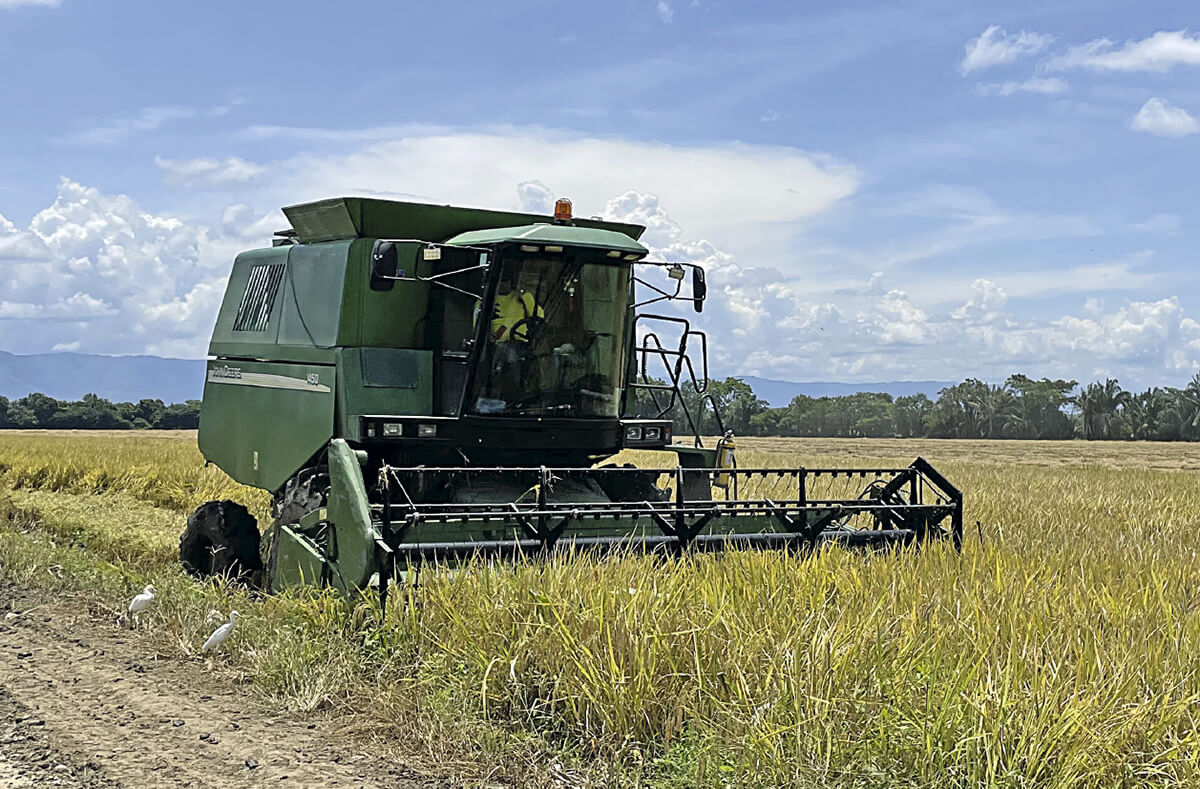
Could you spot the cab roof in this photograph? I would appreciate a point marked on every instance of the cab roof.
(543, 233)
(364, 217)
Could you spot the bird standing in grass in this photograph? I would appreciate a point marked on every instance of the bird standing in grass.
(221, 634)
(142, 602)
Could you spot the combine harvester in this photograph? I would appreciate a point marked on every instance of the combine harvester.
(418, 382)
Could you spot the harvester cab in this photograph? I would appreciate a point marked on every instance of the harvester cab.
(416, 382)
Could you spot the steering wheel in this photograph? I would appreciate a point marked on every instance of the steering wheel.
(533, 326)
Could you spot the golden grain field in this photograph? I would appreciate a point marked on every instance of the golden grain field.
(1062, 648)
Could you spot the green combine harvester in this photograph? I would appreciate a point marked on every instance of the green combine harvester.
(420, 383)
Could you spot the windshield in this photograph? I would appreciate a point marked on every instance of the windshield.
(555, 341)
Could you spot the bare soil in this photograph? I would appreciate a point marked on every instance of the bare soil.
(85, 703)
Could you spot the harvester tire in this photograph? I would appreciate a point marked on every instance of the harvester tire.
(221, 540)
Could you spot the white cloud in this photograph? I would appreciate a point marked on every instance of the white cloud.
(97, 272)
(1163, 119)
(1158, 53)
(77, 307)
(1159, 223)
(985, 305)
(665, 12)
(738, 193)
(119, 129)
(995, 46)
(7, 4)
(770, 115)
(106, 276)
(763, 322)
(1044, 85)
(215, 172)
(535, 197)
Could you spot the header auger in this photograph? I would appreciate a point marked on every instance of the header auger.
(428, 383)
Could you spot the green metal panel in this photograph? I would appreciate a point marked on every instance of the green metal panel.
(545, 233)
(311, 296)
(359, 217)
(224, 337)
(262, 421)
(351, 555)
(298, 354)
(298, 562)
(393, 318)
(350, 513)
(382, 381)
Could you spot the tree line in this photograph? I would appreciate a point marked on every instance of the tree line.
(95, 413)
(1020, 408)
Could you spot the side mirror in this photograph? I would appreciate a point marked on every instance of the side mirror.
(699, 288)
(385, 262)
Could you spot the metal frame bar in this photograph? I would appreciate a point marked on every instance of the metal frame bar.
(675, 371)
(896, 500)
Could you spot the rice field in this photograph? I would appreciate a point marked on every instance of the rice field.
(1062, 648)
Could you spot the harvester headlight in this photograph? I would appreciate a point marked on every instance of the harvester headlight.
(633, 433)
(632, 256)
(529, 248)
(392, 428)
(427, 431)
(616, 253)
(652, 433)
(553, 248)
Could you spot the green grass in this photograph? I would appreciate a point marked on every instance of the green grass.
(1063, 650)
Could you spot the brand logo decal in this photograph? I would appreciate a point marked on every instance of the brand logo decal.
(225, 371)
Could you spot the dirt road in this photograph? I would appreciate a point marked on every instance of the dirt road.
(88, 704)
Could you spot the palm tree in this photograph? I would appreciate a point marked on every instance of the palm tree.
(1100, 405)
(1189, 403)
(994, 407)
(1141, 414)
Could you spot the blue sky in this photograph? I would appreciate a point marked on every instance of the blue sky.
(879, 191)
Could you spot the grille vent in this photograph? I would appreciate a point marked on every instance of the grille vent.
(255, 310)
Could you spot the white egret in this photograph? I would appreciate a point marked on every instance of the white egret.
(221, 634)
(143, 601)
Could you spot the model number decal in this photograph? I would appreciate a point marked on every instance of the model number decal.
(224, 374)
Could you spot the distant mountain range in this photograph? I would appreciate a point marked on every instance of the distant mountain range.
(69, 376)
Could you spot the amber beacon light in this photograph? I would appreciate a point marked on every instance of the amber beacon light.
(562, 210)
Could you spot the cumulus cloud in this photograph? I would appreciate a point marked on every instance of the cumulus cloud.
(762, 321)
(216, 172)
(995, 46)
(535, 197)
(1163, 119)
(98, 273)
(1044, 85)
(1157, 53)
(95, 272)
(665, 12)
(986, 304)
(7, 4)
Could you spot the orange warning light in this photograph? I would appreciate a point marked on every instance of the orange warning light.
(562, 210)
